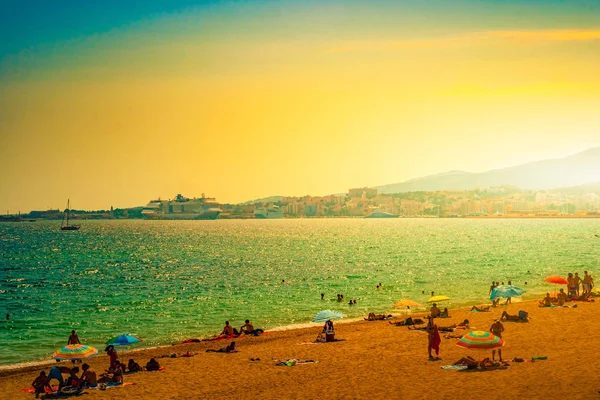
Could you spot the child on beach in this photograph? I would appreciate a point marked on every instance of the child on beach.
(40, 384)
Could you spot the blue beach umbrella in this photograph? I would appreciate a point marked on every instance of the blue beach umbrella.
(327, 315)
(506, 291)
(123, 340)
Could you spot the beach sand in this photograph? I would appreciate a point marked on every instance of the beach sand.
(375, 360)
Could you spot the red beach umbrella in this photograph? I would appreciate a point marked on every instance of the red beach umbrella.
(557, 280)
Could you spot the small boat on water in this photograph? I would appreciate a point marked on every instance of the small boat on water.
(66, 226)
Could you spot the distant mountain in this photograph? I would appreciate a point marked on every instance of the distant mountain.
(578, 169)
(581, 189)
(272, 199)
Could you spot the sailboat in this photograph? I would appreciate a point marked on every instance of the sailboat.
(65, 226)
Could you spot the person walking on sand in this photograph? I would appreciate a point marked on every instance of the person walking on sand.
(73, 339)
(434, 339)
(497, 328)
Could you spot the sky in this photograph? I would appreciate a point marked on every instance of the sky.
(115, 103)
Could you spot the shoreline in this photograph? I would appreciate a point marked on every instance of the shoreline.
(372, 359)
(396, 313)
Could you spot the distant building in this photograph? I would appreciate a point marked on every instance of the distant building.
(360, 192)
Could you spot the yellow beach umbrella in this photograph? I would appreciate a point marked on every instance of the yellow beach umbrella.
(407, 303)
(437, 299)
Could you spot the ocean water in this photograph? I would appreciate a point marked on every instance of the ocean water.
(171, 280)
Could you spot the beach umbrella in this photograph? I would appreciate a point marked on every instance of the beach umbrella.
(327, 315)
(480, 340)
(407, 303)
(557, 280)
(437, 299)
(123, 340)
(506, 291)
(74, 352)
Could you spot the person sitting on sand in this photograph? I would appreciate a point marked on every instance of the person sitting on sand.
(444, 314)
(583, 297)
(329, 331)
(152, 365)
(435, 311)
(73, 339)
(480, 308)
(562, 298)
(248, 329)
(132, 366)
(73, 379)
(546, 301)
(229, 349)
(40, 384)
(522, 316)
(228, 330)
(88, 377)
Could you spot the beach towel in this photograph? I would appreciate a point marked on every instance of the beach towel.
(110, 385)
(32, 390)
(453, 367)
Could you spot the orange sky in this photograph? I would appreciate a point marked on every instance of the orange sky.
(245, 105)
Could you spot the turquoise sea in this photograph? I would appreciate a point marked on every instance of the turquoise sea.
(170, 280)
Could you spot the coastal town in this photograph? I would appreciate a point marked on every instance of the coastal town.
(505, 201)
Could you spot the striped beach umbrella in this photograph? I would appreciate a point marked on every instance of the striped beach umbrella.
(506, 291)
(74, 352)
(437, 299)
(327, 315)
(123, 340)
(480, 340)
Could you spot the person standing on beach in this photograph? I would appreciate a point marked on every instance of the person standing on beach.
(434, 339)
(492, 287)
(74, 339)
(112, 355)
(497, 328)
(577, 282)
(509, 299)
(588, 282)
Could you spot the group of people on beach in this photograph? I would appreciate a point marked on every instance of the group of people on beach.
(74, 383)
(246, 329)
(575, 284)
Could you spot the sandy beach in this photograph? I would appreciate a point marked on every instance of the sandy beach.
(374, 360)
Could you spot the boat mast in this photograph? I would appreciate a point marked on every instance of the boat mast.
(68, 210)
